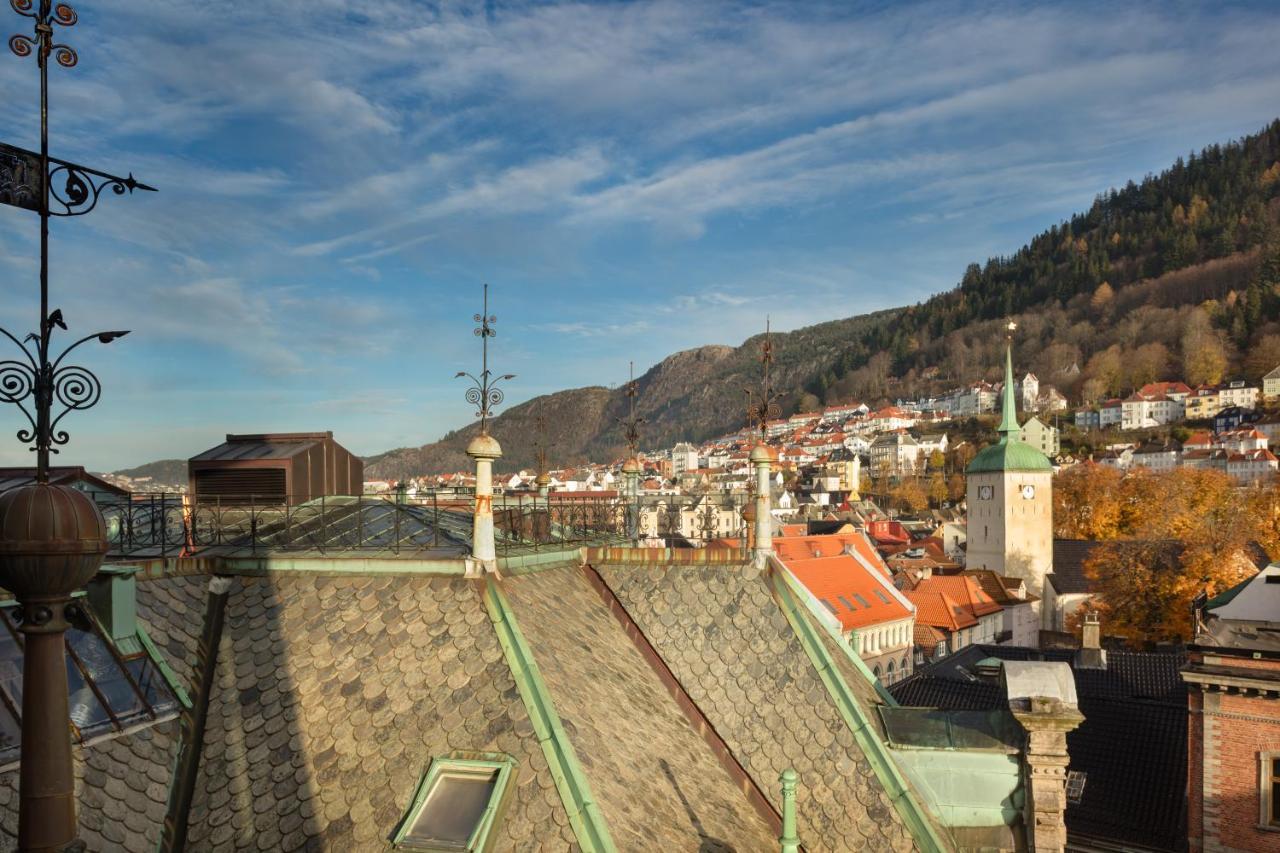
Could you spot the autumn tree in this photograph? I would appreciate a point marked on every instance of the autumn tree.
(910, 495)
(1147, 363)
(938, 491)
(1086, 502)
(1204, 356)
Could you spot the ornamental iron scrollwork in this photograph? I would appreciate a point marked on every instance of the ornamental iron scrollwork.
(762, 405)
(485, 392)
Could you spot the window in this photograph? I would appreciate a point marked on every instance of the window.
(846, 603)
(880, 595)
(1270, 790)
(1075, 785)
(458, 801)
(831, 608)
(857, 597)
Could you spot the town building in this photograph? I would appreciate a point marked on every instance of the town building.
(1233, 701)
(1271, 385)
(895, 454)
(1041, 436)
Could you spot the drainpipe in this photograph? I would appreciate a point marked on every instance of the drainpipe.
(484, 448)
(789, 842)
(762, 457)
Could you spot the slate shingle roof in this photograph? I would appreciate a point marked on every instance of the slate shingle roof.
(624, 726)
(1132, 744)
(333, 695)
(724, 638)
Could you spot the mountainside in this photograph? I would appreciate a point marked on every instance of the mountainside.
(165, 472)
(1176, 276)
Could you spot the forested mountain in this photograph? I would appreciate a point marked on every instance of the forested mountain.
(1177, 276)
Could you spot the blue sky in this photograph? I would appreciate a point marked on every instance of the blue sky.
(338, 178)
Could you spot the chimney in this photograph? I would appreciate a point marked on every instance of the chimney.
(1091, 655)
(112, 595)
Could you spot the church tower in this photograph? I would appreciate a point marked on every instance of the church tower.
(1010, 500)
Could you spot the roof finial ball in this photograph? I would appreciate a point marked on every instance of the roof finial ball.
(52, 541)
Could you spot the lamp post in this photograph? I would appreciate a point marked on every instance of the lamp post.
(52, 538)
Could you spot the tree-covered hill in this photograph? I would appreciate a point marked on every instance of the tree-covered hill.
(1177, 276)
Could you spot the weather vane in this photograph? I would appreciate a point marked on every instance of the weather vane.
(40, 183)
(631, 423)
(762, 405)
(484, 391)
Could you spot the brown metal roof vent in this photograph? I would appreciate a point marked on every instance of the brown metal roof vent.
(275, 468)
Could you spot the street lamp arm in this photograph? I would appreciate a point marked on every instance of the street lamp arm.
(20, 346)
(102, 337)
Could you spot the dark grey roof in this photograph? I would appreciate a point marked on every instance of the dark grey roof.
(1132, 744)
(280, 445)
(1069, 556)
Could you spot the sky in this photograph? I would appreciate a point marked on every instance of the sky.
(338, 179)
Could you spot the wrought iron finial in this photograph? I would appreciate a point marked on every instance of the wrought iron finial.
(484, 391)
(762, 405)
(41, 183)
(631, 423)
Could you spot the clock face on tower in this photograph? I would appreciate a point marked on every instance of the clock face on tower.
(985, 492)
(1028, 492)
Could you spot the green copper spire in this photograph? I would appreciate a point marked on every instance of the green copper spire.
(1009, 430)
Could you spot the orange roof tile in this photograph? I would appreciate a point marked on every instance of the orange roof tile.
(939, 610)
(963, 589)
(844, 584)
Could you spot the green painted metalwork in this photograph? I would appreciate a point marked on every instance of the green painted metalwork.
(877, 755)
(482, 836)
(112, 594)
(170, 677)
(571, 783)
(968, 788)
(790, 842)
(525, 564)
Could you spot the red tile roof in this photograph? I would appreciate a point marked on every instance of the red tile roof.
(845, 585)
(939, 610)
(963, 589)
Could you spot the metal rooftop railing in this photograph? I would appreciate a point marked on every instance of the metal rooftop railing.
(162, 525)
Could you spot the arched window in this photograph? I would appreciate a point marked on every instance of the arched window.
(876, 671)
(889, 672)
(905, 660)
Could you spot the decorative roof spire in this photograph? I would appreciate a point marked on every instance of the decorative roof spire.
(631, 423)
(1009, 429)
(763, 404)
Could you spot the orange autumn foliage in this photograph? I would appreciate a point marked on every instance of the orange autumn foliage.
(1170, 536)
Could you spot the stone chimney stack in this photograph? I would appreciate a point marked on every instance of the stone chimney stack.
(484, 449)
(1091, 655)
(1042, 698)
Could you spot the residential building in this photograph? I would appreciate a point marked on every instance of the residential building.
(1028, 389)
(1067, 587)
(1157, 455)
(1252, 466)
(847, 579)
(1020, 623)
(1041, 436)
(1111, 414)
(1271, 385)
(1203, 403)
(1010, 503)
(1232, 417)
(1087, 419)
(684, 458)
(965, 592)
(894, 454)
(1233, 699)
(1143, 410)
(1239, 393)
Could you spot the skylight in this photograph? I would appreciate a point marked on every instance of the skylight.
(846, 603)
(880, 595)
(861, 600)
(457, 803)
(108, 692)
(830, 607)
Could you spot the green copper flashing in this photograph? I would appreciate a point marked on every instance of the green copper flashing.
(789, 842)
(1010, 453)
(170, 677)
(899, 792)
(571, 783)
